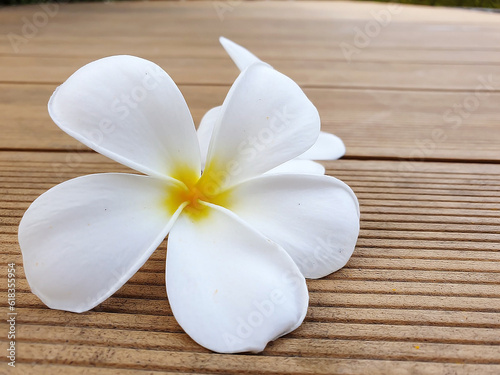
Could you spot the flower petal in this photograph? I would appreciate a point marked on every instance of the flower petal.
(327, 147)
(205, 131)
(242, 57)
(314, 218)
(83, 239)
(130, 110)
(265, 121)
(296, 166)
(231, 289)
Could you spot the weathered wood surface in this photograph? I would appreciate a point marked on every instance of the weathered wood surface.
(418, 109)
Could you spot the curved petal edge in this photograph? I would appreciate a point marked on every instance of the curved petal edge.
(84, 238)
(231, 289)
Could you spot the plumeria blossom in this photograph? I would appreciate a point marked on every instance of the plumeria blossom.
(240, 241)
(327, 146)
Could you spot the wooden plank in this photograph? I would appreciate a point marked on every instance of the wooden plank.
(306, 347)
(361, 262)
(227, 364)
(306, 72)
(321, 315)
(53, 369)
(408, 125)
(131, 290)
(318, 26)
(144, 305)
(35, 321)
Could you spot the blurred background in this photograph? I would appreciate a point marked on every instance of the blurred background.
(492, 4)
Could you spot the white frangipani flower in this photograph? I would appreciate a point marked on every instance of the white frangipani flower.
(240, 242)
(327, 146)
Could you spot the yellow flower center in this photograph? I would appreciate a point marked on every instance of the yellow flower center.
(193, 191)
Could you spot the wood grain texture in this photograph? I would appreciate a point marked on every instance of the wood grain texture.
(393, 302)
(421, 294)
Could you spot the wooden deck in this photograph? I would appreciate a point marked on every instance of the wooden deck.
(418, 105)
